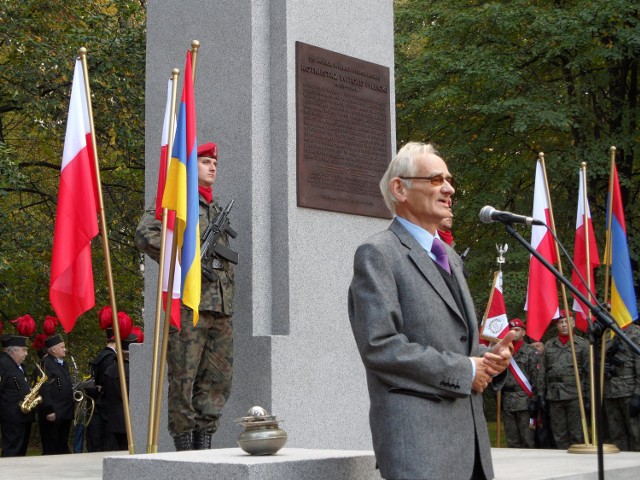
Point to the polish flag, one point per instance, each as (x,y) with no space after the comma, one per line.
(583,225)
(496,324)
(542,292)
(162,179)
(71,290)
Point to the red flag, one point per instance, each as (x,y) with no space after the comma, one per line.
(583,225)
(162,179)
(496,324)
(71,288)
(542,291)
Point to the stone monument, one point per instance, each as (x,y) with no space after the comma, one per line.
(295,353)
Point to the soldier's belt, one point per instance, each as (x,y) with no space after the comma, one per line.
(562,379)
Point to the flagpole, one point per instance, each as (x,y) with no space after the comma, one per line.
(195,45)
(165,343)
(608,246)
(607,266)
(583,417)
(155,392)
(107,258)
(592,360)
(607,260)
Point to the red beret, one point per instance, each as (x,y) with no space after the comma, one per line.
(562,314)
(208,150)
(516,322)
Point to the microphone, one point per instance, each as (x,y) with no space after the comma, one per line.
(489,214)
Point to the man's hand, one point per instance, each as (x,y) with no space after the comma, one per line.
(497,360)
(482,379)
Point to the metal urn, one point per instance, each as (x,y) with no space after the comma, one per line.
(261,435)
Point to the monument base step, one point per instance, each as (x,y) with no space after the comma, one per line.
(235,464)
(308,464)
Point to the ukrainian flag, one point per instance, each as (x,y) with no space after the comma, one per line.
(624,308)
(181,194)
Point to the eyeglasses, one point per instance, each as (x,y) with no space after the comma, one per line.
(435,180)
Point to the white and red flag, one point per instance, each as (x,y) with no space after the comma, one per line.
(496,324)
(171,216)
(71,290)
(542,291)
(584,249)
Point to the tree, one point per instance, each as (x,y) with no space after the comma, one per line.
(39,41)
(495,83)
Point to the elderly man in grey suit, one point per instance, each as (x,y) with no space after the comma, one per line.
(415,326)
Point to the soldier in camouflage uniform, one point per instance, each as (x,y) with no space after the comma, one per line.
(199,358)
(622,391)
(557,384)
(515,400)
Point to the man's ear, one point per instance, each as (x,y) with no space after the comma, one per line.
(398,189)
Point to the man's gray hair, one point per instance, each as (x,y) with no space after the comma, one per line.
(403,165)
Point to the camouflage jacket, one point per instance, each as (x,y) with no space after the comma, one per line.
(216,295)
(556,378)
(624,377)
(514,398)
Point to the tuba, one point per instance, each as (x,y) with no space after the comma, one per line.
(32,399)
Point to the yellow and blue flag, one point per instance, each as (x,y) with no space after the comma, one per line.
(181,194)
(624,308)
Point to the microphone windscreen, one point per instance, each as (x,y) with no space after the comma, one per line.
(485,214)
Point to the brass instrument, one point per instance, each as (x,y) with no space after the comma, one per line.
(78,395)
(32,399)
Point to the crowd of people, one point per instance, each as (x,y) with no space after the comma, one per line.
(415,327)
(49,395)
(540,402)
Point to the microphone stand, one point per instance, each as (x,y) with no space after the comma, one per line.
(603,320)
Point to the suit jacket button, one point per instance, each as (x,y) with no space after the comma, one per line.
(463,338)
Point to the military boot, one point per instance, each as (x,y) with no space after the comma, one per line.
(183,442)
(201,440)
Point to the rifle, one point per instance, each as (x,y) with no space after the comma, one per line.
(209,243)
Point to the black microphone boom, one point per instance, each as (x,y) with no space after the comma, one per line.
(489,214)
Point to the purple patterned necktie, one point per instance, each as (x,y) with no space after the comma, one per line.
(441,254)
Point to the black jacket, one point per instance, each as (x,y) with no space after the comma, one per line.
(14,386)
(57,392)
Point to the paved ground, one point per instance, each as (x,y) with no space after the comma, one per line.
(508,464)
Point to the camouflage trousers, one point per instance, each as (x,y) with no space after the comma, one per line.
(624,431)
(517,430)
(566,425)
(200,369)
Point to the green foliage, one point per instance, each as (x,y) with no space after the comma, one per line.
(493,84)
(39,41)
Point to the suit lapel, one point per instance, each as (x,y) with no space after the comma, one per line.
(425,265)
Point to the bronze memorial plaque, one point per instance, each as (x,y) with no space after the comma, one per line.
(343,132)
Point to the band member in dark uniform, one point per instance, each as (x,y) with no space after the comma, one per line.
(56,413)
(14,387)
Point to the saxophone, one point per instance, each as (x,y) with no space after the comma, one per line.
(32,399)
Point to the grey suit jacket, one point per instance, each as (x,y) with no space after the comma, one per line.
(415,345)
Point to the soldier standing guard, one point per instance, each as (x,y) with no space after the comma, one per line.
(557,383)
(14,386)
(56,412)
(622,391)
(517,391)
(200,357)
